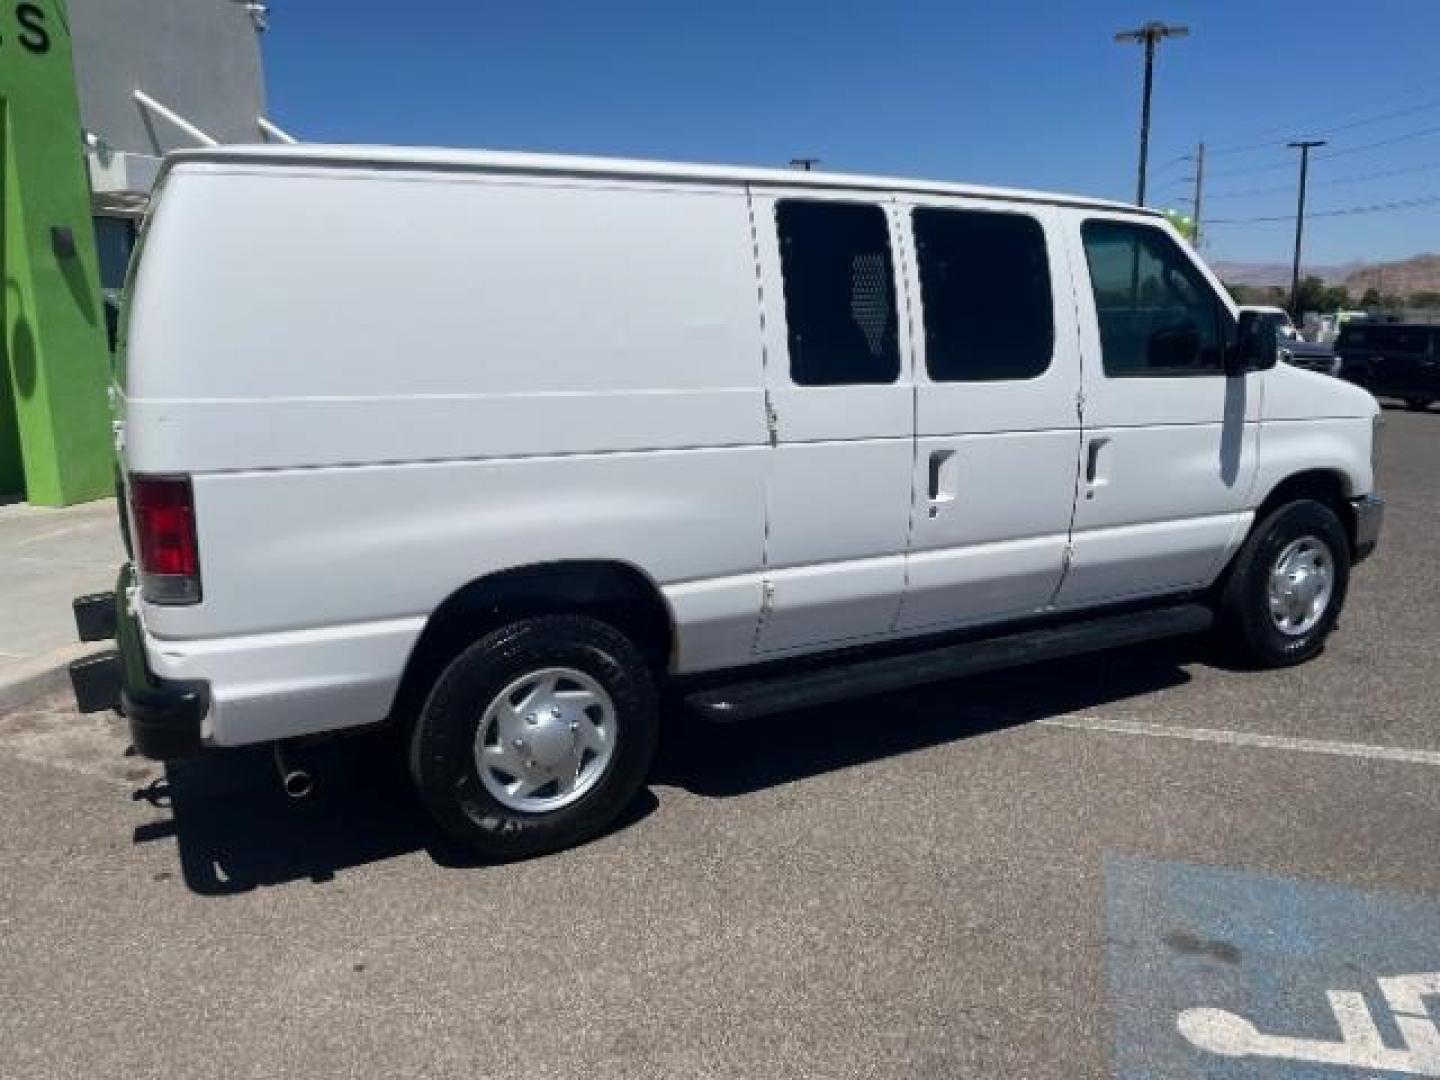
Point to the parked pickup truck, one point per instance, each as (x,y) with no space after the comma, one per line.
(1393,359)
(499,449)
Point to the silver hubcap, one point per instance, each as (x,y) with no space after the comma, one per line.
(1301,584)
(545,740)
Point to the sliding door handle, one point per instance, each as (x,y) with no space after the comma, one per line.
(943,478)
(1097,465)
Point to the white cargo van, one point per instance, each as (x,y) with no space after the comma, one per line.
(499,447)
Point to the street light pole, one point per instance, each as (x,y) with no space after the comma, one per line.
(1148,35)
(1304,146)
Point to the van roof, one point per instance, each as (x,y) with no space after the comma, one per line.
(495,161)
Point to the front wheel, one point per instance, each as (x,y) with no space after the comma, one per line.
(1287,586)
(536,737)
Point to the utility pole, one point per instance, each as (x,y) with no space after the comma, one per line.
(1199,193)
(1304,146)
(1148,35)
(805,164)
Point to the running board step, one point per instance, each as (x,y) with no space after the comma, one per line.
(806,689)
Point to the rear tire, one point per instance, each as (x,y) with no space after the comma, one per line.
(1286,586)
(536,737)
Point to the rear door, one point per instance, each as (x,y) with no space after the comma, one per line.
(1170,441)
(840,394)
(997,375)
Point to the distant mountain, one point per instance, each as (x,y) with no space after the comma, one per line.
(1403,278)
(1238,273)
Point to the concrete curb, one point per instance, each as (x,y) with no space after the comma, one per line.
(25,681)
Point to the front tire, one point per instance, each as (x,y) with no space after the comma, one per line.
(536,737)
(1287,586)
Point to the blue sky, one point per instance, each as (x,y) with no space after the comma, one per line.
(1031,94)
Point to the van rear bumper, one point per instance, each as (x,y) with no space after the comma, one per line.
(165,716)
(182,695)
(288,684)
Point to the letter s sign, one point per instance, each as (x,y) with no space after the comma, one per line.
(33,34)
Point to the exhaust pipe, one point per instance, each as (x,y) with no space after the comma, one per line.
(296,782)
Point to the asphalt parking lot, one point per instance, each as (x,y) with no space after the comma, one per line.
(1105,867)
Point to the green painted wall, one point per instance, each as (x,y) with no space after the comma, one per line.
(53,356)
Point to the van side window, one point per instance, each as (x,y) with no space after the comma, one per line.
(985,286)
(839,293)
(1158,316)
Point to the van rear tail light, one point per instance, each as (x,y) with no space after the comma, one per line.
(164,510)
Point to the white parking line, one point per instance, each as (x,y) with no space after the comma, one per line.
(1246,738)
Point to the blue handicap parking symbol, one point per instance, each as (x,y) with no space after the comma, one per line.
(1220,974)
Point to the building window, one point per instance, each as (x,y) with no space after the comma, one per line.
(114,240)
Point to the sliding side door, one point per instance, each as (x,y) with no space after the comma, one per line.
(997,383)
(841,411)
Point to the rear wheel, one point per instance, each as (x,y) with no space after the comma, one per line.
(536,737)
(1287,586)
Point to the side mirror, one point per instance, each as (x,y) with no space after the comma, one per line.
(1256,348)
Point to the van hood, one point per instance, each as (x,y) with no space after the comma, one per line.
(1292,393)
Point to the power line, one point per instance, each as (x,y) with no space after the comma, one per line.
(1373,208)
(1342,152)
(1384,174)
(1274,144)
(1424,85)
(1227,148)
(1254,170)
(1382,142)
(1168,165)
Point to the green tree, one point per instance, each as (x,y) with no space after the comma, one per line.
(1315,295)
(1426,298)
(1371,299)
(1309,296)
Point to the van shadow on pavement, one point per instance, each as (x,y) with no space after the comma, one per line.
(237,831)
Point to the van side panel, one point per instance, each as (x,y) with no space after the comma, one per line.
(355,559)
(288,319)
(388,385)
